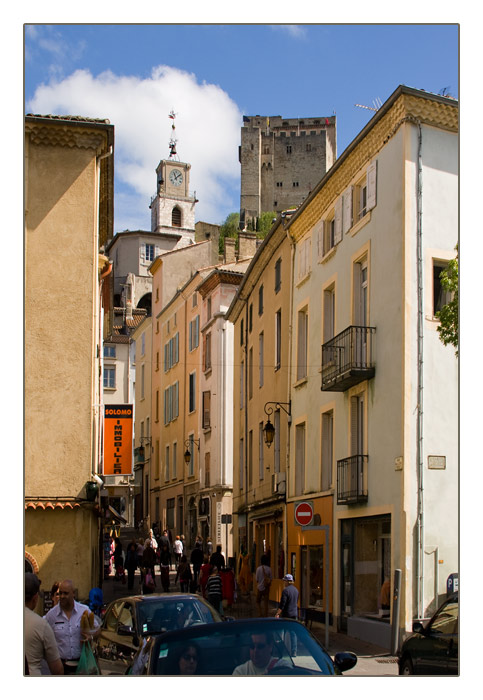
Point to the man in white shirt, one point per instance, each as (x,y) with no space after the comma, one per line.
(65,619)
(261,660)
(39,639)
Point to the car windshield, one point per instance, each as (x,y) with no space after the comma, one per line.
(156,615)
(248,647)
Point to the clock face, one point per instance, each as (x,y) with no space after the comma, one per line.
(176,177)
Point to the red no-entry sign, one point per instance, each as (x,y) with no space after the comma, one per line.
(304,513)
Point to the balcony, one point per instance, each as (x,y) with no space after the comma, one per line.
(352,480)
(348,358)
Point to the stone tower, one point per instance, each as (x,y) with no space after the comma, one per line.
(282,160)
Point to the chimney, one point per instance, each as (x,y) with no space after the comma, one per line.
(230,250)
(247,244)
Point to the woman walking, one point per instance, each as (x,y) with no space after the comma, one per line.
(184,574)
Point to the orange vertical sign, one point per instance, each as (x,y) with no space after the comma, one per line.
(118,439)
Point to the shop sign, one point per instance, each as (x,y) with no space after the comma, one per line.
(118,426)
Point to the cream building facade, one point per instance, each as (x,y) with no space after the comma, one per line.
(379,444)
(68,207)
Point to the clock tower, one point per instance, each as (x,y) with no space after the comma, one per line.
(173,207)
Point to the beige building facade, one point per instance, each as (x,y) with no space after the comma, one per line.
(68,207)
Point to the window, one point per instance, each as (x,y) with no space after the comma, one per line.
(241,461)
(208,308)
(109,377)
(289,149)
(250,318)
(295,184)
(260,300)
(149,252)
(361,282)
(261,467)
(242,384)
(260,360)
(166,466)
(327,456)
(278,275)
(157,361)
(331,233)
(304,258)
(176,217)
(109,351)
(308,146)
(194,333)
(279,184)
(194,300)
(207,469)
(299,459)
(171,352)
(250,458)
(329,314)
(156,407)
(143,344)
(192,392)
(206,409)
(278,339)
(171,403)
(207,352)
(170,508)
(266,150)
(277,441)
(191,464)
(142,381)
(357,425)
(440,296)
(156,460)
(302,343)
(174,460)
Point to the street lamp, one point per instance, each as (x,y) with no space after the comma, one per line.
(187,444)
(143,441)
(269,428)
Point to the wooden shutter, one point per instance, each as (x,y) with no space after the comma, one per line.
(347,210)
(371,185)
(338,221)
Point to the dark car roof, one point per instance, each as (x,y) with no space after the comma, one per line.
(152,596)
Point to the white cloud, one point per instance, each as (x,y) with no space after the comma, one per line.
(207,129)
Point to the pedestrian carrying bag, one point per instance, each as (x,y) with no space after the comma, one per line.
(149,581)
(87,665)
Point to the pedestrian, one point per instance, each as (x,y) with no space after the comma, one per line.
(217,559)
(151,539)
(131,563)
(228,586)
(65,620)
(165,565)
(148,563)
(288,606)
(263,576)
(209,547)
(244,573)
(178,549)
(204,574)
(39,639)
(184,574)
(54,593)
(196,560)
(214,589)
(119,561)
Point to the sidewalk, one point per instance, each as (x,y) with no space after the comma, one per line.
(371,659)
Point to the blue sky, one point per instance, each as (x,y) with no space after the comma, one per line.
(211,75)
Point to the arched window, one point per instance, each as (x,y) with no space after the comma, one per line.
(176,217)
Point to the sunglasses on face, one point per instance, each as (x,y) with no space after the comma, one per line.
(258,646)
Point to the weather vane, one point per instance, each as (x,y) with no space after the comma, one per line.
(173,141)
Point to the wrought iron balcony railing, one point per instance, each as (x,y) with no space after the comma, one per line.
(352,480)
(348,358)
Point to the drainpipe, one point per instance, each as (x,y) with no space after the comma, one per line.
(420,465)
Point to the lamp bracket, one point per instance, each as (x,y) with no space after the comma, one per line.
(278,404)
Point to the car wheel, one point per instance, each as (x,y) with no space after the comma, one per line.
(406,667)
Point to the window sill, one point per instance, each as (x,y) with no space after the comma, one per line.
(360,224)
(303,279)
(329,255)
(300,382)
(110,388)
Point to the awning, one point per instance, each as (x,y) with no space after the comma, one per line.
(117,515)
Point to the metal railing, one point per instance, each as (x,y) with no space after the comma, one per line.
(352,480)
(348,358)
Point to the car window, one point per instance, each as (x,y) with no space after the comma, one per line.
(126,616)
(446,621)
(287,650)
(112,616)
(158,615)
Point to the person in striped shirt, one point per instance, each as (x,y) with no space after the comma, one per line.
(214,589)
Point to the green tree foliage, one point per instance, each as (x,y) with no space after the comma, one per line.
(448,316)
(264,222)
(229,229)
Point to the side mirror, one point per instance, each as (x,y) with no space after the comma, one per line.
(125,630)
(418,627)
(345,660)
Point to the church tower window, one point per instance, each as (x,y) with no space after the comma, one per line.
(176,217)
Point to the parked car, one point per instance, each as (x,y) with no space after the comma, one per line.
(266,646)
(129,622)
(432,649)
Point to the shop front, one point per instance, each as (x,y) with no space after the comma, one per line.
(365,570)
(309,530)
(266,533)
